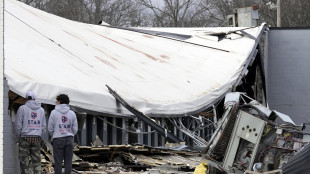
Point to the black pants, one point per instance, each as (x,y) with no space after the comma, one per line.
(63,149)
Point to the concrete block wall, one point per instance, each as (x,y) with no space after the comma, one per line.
(10,148)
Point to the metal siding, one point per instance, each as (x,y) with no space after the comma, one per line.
(288,73)
(298,164)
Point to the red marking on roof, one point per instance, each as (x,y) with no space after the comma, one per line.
(139,76)
(148,36)
(127,39)
(164,56)
(105,53)
(105,62)
(129,47)
(72,35)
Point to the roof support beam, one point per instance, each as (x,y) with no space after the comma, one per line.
(164,132)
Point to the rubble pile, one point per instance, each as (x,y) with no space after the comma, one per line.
(126,159)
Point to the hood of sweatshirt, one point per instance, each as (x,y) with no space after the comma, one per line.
(33,104)
(62,108)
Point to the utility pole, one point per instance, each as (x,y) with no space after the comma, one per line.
(278,13)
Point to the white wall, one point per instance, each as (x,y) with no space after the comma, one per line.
(1,85)
(9,163)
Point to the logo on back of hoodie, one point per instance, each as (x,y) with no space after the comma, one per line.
(33,123)
(34,115)
(64,119)
(64,127)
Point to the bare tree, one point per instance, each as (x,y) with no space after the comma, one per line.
(267,13)
(220,9)
(172,13)
(40,4)
(70,9)
(115,12)
(298,16)
(176,13)
(122,13)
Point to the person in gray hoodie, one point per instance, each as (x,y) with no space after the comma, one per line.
(62,126)
(30,126)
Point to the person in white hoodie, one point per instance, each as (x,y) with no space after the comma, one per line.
(30,127)
(62,126)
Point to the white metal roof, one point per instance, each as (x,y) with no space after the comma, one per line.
(155,74)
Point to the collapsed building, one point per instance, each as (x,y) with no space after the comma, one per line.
(151,98)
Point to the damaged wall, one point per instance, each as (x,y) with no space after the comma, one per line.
(288,72)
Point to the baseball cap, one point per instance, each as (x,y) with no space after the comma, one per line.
(30,94)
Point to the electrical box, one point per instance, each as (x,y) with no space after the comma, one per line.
(247,128)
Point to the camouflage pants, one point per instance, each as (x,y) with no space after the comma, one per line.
(30,152)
